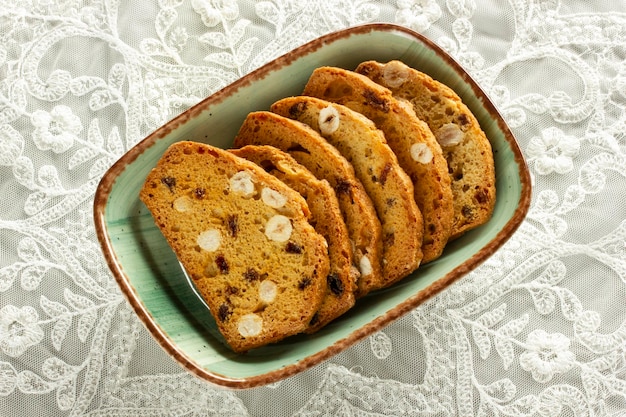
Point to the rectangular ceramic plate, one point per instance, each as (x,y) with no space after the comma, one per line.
(151,278)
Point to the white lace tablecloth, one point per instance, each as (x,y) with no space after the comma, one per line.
(537,330)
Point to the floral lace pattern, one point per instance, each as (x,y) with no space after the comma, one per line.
(535,331)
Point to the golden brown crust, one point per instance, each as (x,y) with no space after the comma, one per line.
(325,162)
(418,152)
(327,220)
(243,237)
(375,164)
(464,144)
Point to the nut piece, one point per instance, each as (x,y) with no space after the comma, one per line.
(449,135)
(182,204)
(273,198)
(406,105)
(395,74)
(365,266)
(250,325)
(278,228)
(267,291)
(420,152)
(209,240)
(242,183)
(328,120)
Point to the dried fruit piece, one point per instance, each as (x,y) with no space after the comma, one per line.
(296,109)
(233,224)
(384,173)
(224,312)
(278,228)
(199,193)
(293,247)
(209,240)
(304,282)
(170,182)
(251,275)
(250,325)
(221,263)
(376,101)
(343,187)
(335,284)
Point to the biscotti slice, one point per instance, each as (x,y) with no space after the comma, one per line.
(417,150)
(375,164)
(464,144)
(327,220)
(243,237)
(325,162)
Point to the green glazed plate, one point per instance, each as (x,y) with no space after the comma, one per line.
(153,281)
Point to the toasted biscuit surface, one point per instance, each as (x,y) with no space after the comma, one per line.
(327,220)
(464,144)
(236,245)
(325,162)
(418,152)
(375,164)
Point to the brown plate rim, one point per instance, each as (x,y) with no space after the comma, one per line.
(105,187)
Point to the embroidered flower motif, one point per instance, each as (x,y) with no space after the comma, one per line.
(212,12)
(418,14)
(553,151)
(547,355)
(156,107)
(93,16)
(619,84)
(11,145)
(55,130)
(18,329)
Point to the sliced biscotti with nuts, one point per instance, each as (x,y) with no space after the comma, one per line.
(243,237)
(325,162)
(327,220)
(464,144)
(375,164)
(410,138)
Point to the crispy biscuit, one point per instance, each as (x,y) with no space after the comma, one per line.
(236,243)
(327,220)
(325,162)
(464,144)
(375,164)
(417,150)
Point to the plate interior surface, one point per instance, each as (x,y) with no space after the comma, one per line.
(152,279)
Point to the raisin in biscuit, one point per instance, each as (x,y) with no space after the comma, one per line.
(243,237)
(327,220)
(417,150)
(464,144)
(375,164)
(325,162)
